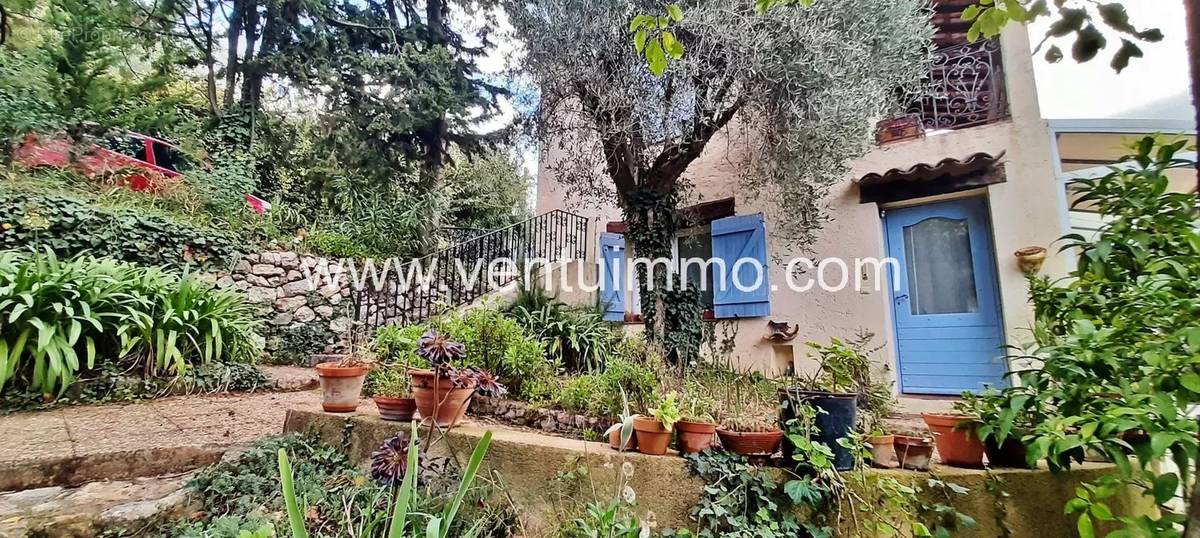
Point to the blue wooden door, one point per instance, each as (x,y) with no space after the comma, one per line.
(945,300)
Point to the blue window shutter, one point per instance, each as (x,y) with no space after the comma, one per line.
(735,238)
(612,276)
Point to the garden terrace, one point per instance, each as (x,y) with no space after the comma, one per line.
(531,466)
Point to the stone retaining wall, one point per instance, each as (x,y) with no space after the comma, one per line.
(531,466)
(296,315)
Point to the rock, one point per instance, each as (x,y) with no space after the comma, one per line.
(305,314)
(290,304)
(259,295)
(243,285)
(270,258)
(298,287)
(283,318)
(264,269)
(340,325)
(293,275)
(289,260)
(225,282)
(324,311)
(251,258)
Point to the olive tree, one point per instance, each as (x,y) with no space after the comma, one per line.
(796,91)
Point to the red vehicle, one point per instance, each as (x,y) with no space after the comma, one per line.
(152,161)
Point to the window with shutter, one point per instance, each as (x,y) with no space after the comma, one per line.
(741,289)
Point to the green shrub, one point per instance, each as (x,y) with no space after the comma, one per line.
(498,344)
(395,344)
(577,338)
(600,393)
(62,316)
(582,394)
(71,226)
(337,244)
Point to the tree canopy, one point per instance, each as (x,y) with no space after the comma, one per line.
(801,86)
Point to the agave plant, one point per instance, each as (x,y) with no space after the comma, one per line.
(435,526)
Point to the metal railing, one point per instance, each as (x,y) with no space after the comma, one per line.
(555,236)
(965,88)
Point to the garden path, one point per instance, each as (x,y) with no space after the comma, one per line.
(71,446)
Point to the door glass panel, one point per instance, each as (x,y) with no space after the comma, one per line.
(941,273)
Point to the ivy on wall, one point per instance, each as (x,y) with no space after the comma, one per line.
(653,220)
(70,226)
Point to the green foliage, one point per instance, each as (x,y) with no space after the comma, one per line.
(602,393)
(62,315)
(989,17)
(69,226)
(336,245)
(493,342)
(295,344)
(612,519)
(25,105)
(388,380)
(438,526)
(579,339)
(666,411)
(489,191)
(654,39)
(1118,344)
(740,500)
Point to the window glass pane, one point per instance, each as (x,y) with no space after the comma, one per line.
(941,274)
(697,245)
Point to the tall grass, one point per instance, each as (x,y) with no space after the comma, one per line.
(58,317)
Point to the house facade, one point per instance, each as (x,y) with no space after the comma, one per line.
(950,206)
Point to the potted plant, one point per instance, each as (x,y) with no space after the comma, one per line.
(342,381)
(1003,420)
(957,438)
(697,429)
(872,420)
(750,437)
(443,391)
(654,432)
(391,388)
(913,451)
(832,390)
(624,428)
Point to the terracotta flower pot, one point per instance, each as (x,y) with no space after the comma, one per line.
(1010,453)
(653,437)
(1030,259)
(957,442)
(883,450)
(614,440)
(340,386)
(438,395)
(750,443)
(695,436)
(913,453)
(398,409)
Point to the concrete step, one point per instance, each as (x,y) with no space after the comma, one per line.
(92,509)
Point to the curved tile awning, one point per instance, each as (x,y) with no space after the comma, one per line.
(923,179)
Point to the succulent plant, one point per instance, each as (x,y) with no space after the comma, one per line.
(439,349)
(749,425)
(388,463)
(486,384)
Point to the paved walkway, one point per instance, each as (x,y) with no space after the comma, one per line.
(75,445)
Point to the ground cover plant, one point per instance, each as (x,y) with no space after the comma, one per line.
(334,496)
(66,317)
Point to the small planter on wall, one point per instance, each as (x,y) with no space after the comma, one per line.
(898,128)
(1030,259)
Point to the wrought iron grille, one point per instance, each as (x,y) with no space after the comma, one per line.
(965,88)
(395,298)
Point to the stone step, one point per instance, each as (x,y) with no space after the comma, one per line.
(94,508)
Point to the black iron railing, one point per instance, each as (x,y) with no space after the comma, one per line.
(398,296)
(965,88)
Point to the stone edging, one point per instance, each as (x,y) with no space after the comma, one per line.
(547,420)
